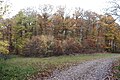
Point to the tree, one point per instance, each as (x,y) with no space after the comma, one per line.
(4,8)
(110,28)
(59,33)
(58,22)
(30,22)
(78,17)
(114,9)
(89,30)
(62,23)
(3,43)
(3,46)
(7,33)
(19,31)
(44,18)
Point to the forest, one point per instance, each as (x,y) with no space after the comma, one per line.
(56,31)
(58,43)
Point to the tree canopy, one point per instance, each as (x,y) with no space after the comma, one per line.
(51,32)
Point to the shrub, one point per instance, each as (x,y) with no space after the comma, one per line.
(72,46)
(58,48)
(48,46)
(38,46)
(67,46)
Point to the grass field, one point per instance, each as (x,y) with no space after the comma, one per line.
(20,68)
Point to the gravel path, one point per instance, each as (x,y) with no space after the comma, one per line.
(90,70)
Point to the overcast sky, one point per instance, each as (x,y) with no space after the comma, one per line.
(93,5)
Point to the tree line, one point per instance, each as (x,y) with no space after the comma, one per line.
(53,33)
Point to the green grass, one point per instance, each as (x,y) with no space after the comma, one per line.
(20,68)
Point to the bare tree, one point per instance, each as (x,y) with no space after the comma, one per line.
(114,9)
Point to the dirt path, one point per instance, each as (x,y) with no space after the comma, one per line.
(90,70)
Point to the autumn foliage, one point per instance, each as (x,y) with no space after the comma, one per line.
(32,33)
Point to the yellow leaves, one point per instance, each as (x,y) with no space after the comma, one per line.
(103,24)
(110,27)
(4,43)
(4,50)
(3,47)
(109,36)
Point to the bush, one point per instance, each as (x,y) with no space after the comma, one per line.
(66,47)
(46,46)
(43,46)
(58,48)
(72,46)
(38,46)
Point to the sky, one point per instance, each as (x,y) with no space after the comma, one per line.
(93,5)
